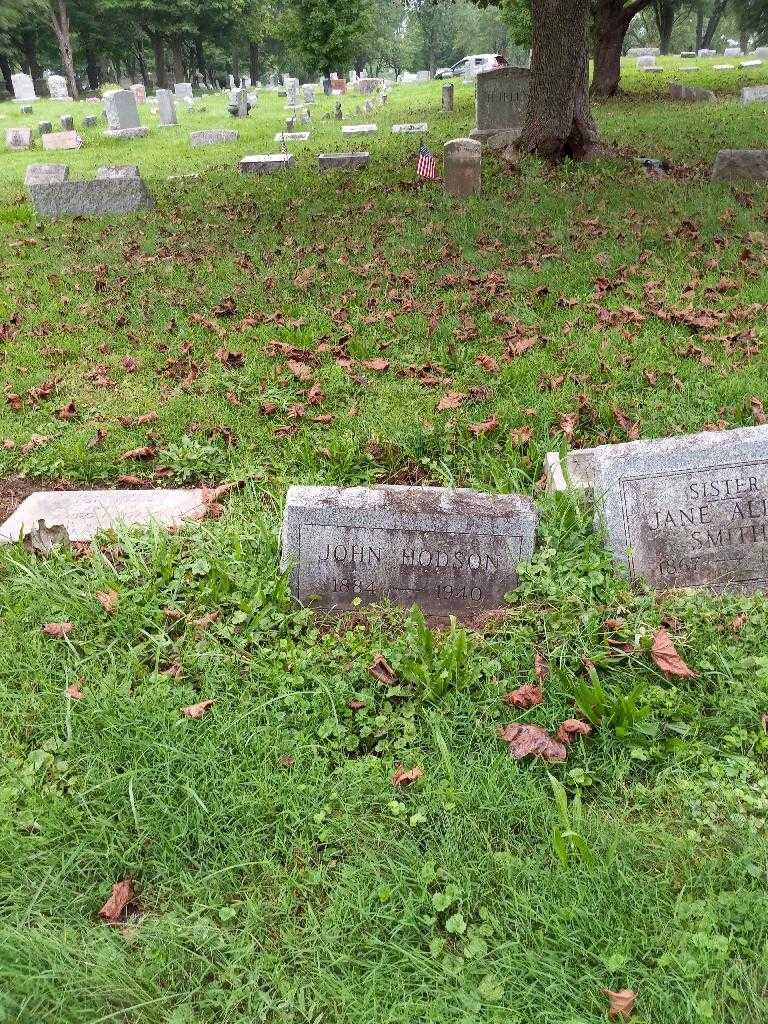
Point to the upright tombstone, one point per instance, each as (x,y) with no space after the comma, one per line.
(67,123)
(687,511)
(44,127)
(122,114)
(646,61)
(448,551)
(166,108)
(707,53)
(732,51)
(18,138)
(501,99)
(461,167)
(292,92)
(308,92)
(57,87)
(762,51)
(23,88)
(184,90)
(139,92)
(242,102)
(448,97)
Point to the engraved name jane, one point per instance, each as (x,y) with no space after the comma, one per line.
(701,519)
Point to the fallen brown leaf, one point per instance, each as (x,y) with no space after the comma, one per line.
(381,669)
(404,778)
(107,599)
(739,622)
(74,692)
(666,658)
(572,727)
(197,710)
(113,911)
(532,741)
(57,630)
(452,400)
(621,1004)
(540,669)
(139,454)
(485,427)
(527,696)
(758,410)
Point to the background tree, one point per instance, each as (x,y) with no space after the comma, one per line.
(330,32)
(612,19)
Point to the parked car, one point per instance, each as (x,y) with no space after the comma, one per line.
(475,64)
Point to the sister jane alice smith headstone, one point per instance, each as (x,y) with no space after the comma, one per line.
(449,551)
(687,511)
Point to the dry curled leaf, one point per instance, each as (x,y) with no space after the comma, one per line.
(146,452)
(572,727)
(666,658)
(621,1004)
(531,741)
(739,622)
(107,599)
(404,778)
(758,410)
(74,692)
(381,669)
(57,630)
(568,421)
(197,710)
(113,911)
(377,364)
(540,669)
(485,427)
(451,401)
(527,696)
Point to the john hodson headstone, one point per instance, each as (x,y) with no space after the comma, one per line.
(449,551)
(687,511)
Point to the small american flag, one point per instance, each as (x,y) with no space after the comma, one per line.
(283,143)
(426,165)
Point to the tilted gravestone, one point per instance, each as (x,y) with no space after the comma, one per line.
(449,551)
(166,108)
(448,97)
(461,167)
(42,174)
(342,161)
(265,163)
(741,165)
(501,100)
(18,138)
(23,88)
(688,511)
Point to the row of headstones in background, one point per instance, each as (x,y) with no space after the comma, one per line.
(677,512)
(116,189)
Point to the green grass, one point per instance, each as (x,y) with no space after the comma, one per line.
(312,890)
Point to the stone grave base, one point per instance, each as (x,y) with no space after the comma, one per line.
(126,133)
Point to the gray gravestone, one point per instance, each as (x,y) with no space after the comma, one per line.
(45,174)
(266,163)
(342,161)
(501,100)
(461,167)
(449,551)
(242,102)
(166,108)
(448,97)
(121,110)
(18,138)
(57,87)
(139,92)
(117,171)
(741,164)
(690,93)
(308,92)
(83,514)
(62,140)
(732,51)
(213,136)
(687,511)
(292,137)
(754,94)
(645,61)
(405,129)
(358,129)
(90,121)
(90,198)
(707,53)
(292,92)
(67,123)
(44,127)
(23,88)
(184,90)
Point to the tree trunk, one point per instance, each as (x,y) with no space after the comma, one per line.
(712,25)
(253,62)
(558,122)
(200,59)
(158,45)
(665,22)
(236,66)
(29,49)
(610,29)
(92,67)
(744,41)
(177,55)
(5,68)
(60,23)
(699,27)
(142,64)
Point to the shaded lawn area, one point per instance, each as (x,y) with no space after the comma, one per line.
(279,875)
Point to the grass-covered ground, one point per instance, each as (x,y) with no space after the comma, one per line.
(279,876)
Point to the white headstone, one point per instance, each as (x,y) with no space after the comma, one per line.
(57,87)
(23,88)
(121,110)
(184,90)
(166,108)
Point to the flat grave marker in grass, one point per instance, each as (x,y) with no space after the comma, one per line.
(83,514)
(62,140)
(451,551)
(404,129)
(688,511)
(265,163)
(358,129)
(213,136)
(342,161)
(41,174)
(741,165)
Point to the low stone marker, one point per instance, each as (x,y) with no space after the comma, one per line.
(213,136)
(449,551)
(690,93)
(754,94)
(67,123)
(57,87)
(266,163)
(646,61)
(687,511)
(461,167)
(750,63)
(94,198)
(403,129)
(184,90)
(292,137)
(761,51)
(358,129)
(62,140)
(707,53)
(166,108)
(83,514)
(18,138)
(688,54)
(732,51)
(501,99)
(45,174)
(448,97)
(44,127)
(342,161)
(741,164)
(90,121)
(723,67)
(368,85)
(117,171)
(308,92)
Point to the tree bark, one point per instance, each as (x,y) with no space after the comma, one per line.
(142,64)
(254,61)
(5,69)
(60,23)
(612,21)
(712,25)
(200,59)
(699,27)
(236,66)
(177,55)
(558,122)
(158,45)
(29,49)
(664,11)
(92,67)
(744,40)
